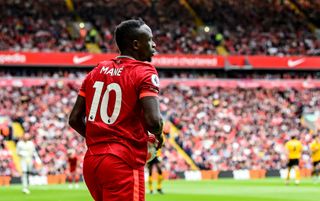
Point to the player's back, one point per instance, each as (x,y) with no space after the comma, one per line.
(294,148)
(113,111)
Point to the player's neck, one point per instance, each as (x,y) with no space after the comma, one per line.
(130,54)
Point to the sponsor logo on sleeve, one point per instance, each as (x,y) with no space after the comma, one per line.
(155,80)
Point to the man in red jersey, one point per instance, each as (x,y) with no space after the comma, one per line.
(72,174)
(116,107)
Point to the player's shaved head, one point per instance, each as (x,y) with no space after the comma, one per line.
(126,32)
(134,38)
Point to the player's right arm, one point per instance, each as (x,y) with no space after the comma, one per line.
(148,86)
(36,155)
(152,116)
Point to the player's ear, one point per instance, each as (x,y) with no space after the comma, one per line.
(136,44)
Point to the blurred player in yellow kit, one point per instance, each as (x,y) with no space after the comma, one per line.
(294,150)
(315,156)
(157,163)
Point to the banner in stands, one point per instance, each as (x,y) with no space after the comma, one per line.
(267,62)
(186,61)
(84,59)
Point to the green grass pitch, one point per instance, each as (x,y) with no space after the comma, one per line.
(220,190)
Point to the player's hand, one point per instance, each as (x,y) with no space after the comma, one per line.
(157,140)
(160,141)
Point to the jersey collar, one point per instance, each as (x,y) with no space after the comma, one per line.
(125,56)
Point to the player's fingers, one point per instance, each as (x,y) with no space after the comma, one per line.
(159,145)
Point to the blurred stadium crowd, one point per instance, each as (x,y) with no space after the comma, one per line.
(236,27)
(167,73)
(242,128)
(221,129)
(42,111)
(6,166)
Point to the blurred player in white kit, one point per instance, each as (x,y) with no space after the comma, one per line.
(27,152)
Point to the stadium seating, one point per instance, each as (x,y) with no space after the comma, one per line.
(45,109)
(228,129)
(48,26)
(248,29)
(220,128)
(7,167)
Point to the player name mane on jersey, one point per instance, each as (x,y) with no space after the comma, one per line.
(111,71)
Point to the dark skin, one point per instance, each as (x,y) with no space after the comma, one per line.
(142,49)
(78,115)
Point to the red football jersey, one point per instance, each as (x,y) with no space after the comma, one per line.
(114,116)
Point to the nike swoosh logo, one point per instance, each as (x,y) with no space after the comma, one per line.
(293,63)
(79,60)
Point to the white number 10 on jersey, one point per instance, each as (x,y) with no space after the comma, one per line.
(104,103)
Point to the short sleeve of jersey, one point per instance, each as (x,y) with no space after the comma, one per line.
(148,81)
